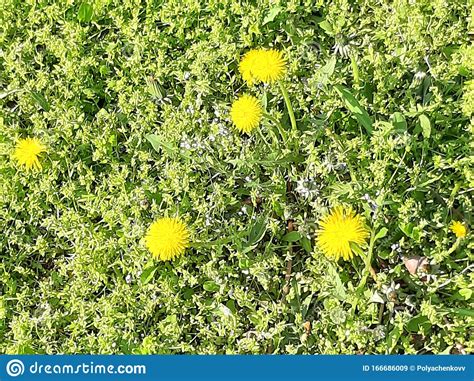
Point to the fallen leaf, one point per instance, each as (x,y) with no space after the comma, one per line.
(415,263)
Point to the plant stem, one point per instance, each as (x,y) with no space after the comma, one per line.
(368,261)
(355,70)
(279,127)
(262,137)
(288,105)
(289,265)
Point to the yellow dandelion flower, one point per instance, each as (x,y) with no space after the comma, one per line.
(246,113)
(247,64)
(459,229)
(167,238)
(263,65)
(337,230)
(27,152)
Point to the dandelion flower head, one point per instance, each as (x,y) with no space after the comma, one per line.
(459,229)
(262,65)
(246,113)
(27,153)
(337,230)
(167,238)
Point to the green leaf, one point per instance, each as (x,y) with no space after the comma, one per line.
(306,244)
(154,88)
(355,108)
(324,73)
(211,286)
(458,311)
(339,291)
(419,323)
(425,126)
(466,293)
(248,249)
(278,208)
(356,248)
(392,339)
(407,229)
(159,145)
(329,67)
(264,100)
(40,100)
(292,237)
(399,122)
(85,12)
(327,27)
(257,231)
(381,233)
(147,274)
(272,13)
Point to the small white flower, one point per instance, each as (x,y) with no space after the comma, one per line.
(223,131)
(419,76)
(379,332)
(396,247)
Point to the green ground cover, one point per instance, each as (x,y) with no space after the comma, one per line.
(382,93)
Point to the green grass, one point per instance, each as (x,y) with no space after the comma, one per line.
(383,105)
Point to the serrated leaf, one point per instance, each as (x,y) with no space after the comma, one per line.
(292,237)
(355,108)
(425,126)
